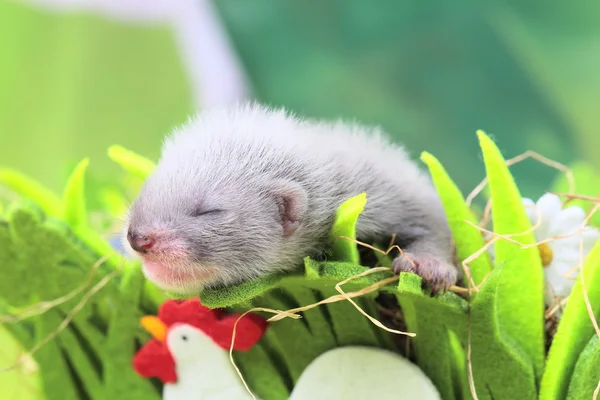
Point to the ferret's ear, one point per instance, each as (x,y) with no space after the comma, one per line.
(291,200)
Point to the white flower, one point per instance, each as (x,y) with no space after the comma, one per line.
(561,257)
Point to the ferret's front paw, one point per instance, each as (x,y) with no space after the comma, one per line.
(437,274)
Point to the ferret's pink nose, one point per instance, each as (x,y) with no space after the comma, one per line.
(140,243)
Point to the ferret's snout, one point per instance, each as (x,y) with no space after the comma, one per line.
(139,243)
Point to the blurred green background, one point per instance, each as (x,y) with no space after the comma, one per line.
(77,76)
(73,82)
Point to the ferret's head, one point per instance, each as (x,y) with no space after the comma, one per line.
(213,212)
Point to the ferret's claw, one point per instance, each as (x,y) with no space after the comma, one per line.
(437,274)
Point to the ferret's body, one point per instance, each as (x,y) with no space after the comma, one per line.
(246,191)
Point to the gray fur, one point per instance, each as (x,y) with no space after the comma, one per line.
(279,180)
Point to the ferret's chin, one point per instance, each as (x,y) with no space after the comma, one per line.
(175,280)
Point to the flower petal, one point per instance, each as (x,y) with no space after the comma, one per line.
(567,244)
(559,284)
(567,221)
(530,209)
(565,261)
(549,203)
(590,237)
(548,206)
(573,243)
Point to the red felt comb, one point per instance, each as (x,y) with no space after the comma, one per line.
(215,323)
(155,360)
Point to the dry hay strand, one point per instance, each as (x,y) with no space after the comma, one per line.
(522,157)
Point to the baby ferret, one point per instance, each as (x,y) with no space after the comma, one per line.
(244,191)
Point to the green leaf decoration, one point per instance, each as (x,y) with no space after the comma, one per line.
(586,376)
(75,212)
(26,380)
(293,344)
(522,267)
(468,239)
(91,357)
(29,188)
(131,162)
(74,209)
(574,330)
(345,225)
(434,321)
(501,369)
(460,377)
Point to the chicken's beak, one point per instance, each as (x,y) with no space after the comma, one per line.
(155,326)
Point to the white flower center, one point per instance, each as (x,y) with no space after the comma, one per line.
(545,254)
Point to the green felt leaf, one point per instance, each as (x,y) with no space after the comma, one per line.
(266,376)
(574,330)
(91,357)
(74,209)
(120,379)
(18,380)
(586,377)
(523,279)
(133,163)
(501,369)
(587,183)
(432,320)
(236,294)
(468,239)
(292,344)
(345,225)
(29,188)
(58,381)
(71,210)
(460,378)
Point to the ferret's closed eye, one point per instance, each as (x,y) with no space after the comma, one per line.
(202,212)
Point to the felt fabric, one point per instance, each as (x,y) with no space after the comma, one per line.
(298,342)
(574,330)
(468,239)
(155,360)
(207,370)
(215,323)
(432,320)
(586,374)
(459,367)
(345,225)
(85,359)
(520,311)
(74,209)
(24,380)
(501,370)
(341,373)
(92,357)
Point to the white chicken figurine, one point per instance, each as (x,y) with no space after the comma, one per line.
(189,354)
